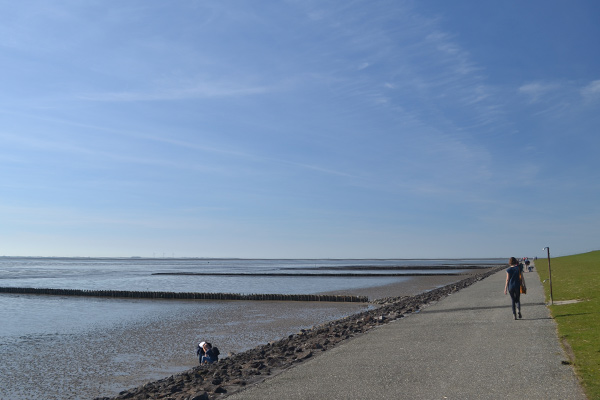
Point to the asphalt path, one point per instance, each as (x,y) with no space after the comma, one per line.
(466,346)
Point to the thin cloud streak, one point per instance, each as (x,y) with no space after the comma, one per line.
(591,91)
(203,91)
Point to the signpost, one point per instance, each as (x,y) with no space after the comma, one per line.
(549,274)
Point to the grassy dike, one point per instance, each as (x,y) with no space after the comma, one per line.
(577,277)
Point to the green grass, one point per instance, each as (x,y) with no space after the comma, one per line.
(578,278)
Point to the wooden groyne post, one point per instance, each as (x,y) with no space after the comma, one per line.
(186,295)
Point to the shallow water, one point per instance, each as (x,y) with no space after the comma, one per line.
(139,274)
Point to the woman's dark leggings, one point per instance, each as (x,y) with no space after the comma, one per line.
(515,296)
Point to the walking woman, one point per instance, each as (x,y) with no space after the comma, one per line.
(513,285)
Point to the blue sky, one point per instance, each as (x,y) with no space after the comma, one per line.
(299,129)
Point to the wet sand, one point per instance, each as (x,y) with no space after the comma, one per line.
(102,362)
(409,287)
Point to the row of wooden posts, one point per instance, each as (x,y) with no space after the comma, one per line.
(185,295)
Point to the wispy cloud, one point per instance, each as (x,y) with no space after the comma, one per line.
(591,91)
(54,145)
(535,91)
(195,91)
(66,145)
(452,54)
(432,71)
(71,217)
(556,98)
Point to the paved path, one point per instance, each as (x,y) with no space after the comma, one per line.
(467,346)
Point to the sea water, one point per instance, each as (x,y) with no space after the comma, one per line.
(147,274)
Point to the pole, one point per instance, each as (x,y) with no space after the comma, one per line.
(550,275)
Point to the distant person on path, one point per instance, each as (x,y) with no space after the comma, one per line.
(513,285)
(206,353)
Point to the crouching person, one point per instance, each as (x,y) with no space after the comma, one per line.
(207,354)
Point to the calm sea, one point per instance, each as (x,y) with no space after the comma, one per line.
(56,347)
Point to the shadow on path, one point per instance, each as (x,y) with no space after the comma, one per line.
(507,306)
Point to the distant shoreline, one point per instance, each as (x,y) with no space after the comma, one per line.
(458,267)
(493,260)
(278,274)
